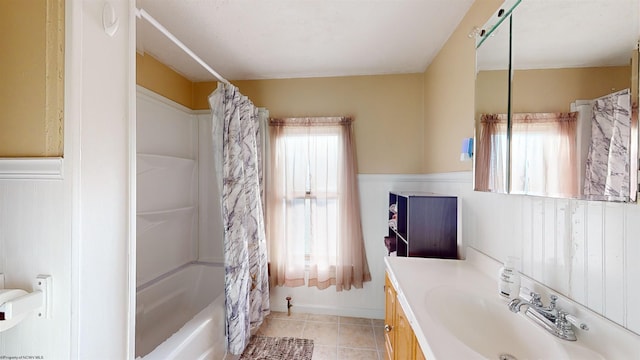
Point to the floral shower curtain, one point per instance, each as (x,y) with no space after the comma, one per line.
(607,169)
(237,136)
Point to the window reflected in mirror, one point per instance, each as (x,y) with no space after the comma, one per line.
(571,130)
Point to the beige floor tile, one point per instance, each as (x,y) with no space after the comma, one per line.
(378,334)
(323,318)
(282,328)
(356,336)
(283,315)
(321,333)
(334,337)
(321,352)
(356,354)
(354,320)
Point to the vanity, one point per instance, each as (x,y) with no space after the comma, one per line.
(450,309)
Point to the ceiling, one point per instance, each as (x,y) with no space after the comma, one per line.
(271,39)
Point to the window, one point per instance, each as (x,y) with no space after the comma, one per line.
(543,154)
(313,217)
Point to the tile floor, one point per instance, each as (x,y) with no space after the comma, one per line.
(334,337)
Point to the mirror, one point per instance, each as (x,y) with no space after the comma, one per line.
(493,79)
(492,101)
(571,132)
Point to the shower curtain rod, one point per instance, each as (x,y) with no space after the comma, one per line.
(142,14)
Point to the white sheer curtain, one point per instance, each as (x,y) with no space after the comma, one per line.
(491,159)
(313,213)
(544,154)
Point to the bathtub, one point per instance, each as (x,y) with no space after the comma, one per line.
(181,315)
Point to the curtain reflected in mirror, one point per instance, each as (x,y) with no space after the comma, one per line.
(491,108)
(561,110)
(491,153)
(608,162)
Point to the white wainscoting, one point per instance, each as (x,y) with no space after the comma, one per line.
(586,250)
(31,168)
(368,301)
(35,239)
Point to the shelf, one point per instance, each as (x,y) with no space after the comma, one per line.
(147,155)
(164,212)
(401,236)
(426,224)
(165,182)
(148,220)
(151,162)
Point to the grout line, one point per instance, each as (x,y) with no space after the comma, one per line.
(338,338)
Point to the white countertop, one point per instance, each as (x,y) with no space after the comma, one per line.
(415,278)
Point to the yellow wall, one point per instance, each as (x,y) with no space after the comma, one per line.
(31,73)
(547,90)
(449,84)
(492,92)
(551,90)
(159,78)
(201,92)
(387,110)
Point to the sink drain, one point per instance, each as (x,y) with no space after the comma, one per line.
(507,357)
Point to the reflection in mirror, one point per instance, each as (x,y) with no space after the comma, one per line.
(571,133)
(491,108)
(570,98)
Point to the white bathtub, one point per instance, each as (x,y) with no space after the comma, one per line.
(182,315)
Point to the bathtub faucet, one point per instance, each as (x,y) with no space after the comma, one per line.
(289,305)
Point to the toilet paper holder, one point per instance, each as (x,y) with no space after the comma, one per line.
(22,303)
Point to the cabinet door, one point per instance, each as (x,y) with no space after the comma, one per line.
(403,345)
(419,353)
(389,317)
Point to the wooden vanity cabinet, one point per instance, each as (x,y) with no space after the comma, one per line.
(404,336)
(419,353)
(389,317)
(399,338)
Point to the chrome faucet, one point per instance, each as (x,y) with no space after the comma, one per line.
(551,318)
(550,311)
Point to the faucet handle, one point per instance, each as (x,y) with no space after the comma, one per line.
(577,322)
(565,320)
(535,299)
(554,298)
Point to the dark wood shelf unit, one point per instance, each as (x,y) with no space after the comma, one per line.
(427,224)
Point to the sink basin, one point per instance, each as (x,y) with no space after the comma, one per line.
(487,327)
